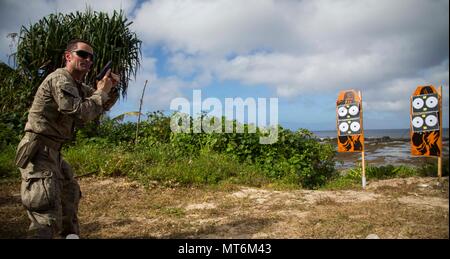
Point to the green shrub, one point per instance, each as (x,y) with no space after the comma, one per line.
(296,158)
(7,167)
(351,178)
(11,128)
(160,163)
(381,172)
(430,167)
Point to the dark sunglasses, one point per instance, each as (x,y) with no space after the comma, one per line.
(84,54)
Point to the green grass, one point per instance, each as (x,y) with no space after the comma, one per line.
(342,183)
(351,178)
(7,167)
(430,167)
(160,163)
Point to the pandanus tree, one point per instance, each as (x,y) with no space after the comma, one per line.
(41,47)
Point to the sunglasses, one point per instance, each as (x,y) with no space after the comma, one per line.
(84,54)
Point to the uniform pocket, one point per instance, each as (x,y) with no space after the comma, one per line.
(25,152)
(39,191)
(67,97)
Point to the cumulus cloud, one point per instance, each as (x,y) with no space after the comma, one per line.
(211,26)
(14,14)
(159,91)
(297,47)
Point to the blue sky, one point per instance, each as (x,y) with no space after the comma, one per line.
(302,52)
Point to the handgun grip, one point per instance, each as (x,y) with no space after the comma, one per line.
(104,70)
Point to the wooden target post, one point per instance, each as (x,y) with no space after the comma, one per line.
(349,124)
(426,123)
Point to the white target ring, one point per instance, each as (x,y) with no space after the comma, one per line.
(431,102)
(342,111)
(355,126)
(417,103)
(431,120)
(343,127)
(354,110)
(417,122)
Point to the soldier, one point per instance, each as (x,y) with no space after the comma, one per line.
(49,191)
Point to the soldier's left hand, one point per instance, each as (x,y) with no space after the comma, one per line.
(115,79)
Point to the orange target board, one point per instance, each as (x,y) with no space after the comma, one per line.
(349,121)
(426,122)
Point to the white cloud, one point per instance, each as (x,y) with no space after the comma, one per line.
(385,48)
(394,95)
(14,14)
(299,47)
(211,26)
(159,91)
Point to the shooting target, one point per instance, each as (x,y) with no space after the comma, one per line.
(343,127)
(349,122)
(426,139)
(355,126)
(418,103)
(417,122)
(431,120)
(431,102)
(354,110)
(342,111)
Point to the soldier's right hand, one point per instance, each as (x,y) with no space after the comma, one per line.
(106,83)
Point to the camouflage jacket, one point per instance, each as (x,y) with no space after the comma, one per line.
(60,103)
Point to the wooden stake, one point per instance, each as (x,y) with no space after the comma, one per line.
(139,114)
(362,153)
(441,132)
(363,170)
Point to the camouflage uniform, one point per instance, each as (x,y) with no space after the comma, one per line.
(49,191)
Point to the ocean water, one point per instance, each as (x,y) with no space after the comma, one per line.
(376,133)
(395,152)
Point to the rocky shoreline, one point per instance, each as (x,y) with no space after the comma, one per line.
(375,139)
(380,151)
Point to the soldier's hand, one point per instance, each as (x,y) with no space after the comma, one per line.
(106,83)
(115,78)
(113,97)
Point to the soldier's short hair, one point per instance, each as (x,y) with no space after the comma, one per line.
(72,44)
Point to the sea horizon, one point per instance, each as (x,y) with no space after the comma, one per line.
(375,133)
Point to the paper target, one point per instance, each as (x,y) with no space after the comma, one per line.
(431,120)
(342,111)
(355,126)
(426,121)
(349,124)
(343,126)
(354,110)
(431,102)
(417,103)
(417,122)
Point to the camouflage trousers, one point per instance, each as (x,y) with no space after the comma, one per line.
(50,194)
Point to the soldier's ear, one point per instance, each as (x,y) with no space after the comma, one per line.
(67,55)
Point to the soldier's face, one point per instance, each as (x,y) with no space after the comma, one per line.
(81,58)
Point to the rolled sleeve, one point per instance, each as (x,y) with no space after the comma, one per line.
(69,101)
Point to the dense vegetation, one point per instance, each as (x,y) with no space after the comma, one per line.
(168,158)
(296,157)
(109,149)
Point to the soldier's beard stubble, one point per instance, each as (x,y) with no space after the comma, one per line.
(82,66)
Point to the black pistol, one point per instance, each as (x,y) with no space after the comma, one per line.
(104,70)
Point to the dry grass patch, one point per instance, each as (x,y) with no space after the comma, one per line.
(121,208)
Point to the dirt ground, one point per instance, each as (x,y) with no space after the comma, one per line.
(120,208)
